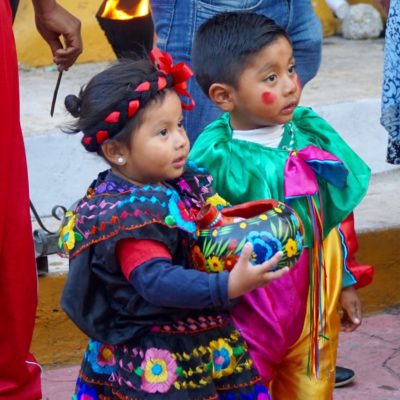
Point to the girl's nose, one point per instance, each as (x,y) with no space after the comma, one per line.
(181,138)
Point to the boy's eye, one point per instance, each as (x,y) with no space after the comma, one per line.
(163,132)
(292,69)
(270,78)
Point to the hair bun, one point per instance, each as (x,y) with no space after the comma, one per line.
(73,105)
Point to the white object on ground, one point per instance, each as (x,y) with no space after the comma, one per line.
(362,22)
(339,7)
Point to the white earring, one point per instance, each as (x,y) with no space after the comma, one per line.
(120,160)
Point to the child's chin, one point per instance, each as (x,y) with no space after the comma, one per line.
(284,119)
(176,174)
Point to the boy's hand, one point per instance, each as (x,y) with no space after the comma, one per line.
(351,305)
(246,277)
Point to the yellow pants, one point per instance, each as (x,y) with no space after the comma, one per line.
(290,381)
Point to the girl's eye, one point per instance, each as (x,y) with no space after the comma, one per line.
(164,132)
(292,69)
(180,124)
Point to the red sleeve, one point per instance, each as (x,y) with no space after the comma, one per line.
(363,273)
(132,253)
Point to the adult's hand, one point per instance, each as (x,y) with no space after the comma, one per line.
(54,21)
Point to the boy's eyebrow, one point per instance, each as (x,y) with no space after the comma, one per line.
(269,65)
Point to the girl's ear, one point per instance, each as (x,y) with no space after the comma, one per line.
(221,94)
(116,153)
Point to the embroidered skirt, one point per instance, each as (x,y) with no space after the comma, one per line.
(203,358)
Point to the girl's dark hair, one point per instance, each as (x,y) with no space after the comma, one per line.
(104,92)
(224,45)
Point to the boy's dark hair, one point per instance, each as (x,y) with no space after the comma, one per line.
(224,45)
(104,92)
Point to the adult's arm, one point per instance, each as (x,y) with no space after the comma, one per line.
(53,22)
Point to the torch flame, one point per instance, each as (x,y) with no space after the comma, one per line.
(114,9)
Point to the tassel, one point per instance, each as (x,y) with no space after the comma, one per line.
(318,289)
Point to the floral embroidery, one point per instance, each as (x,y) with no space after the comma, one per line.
(390,116)
(295,221)
(85,392)
(159,371)
(229,261)
(274,230)
(291,247)
(222,357)
(106,356)
(180,214)
(214,264)
(67,236)
(217,201)
(101,357)
(199,262)
(299,241)
(265,245)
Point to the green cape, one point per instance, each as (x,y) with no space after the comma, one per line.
(245,171)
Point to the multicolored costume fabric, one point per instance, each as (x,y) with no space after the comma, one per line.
(139,350)
(20,374)
(275,321)
(390,117)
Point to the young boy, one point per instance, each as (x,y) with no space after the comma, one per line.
(265,146)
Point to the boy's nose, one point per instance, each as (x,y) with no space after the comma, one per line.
(290,84)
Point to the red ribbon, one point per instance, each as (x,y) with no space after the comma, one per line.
(181,72)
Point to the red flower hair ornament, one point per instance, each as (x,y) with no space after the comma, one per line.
(167,75)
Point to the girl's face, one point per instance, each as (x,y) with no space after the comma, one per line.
(159,146)
(268,88)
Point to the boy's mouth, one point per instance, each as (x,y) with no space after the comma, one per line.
(289,108)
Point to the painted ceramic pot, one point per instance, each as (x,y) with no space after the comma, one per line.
(270,226)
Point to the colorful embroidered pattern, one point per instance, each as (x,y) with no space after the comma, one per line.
(214,360)
(68,237)
(278,229)
(158,371)
(110,207)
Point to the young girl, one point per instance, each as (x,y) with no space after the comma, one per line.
(157,328)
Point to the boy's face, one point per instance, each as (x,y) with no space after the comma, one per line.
(268,88)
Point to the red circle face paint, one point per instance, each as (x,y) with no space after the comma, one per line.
(268,98)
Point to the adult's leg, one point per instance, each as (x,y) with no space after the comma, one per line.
(175,22)
(305,31)
(19,375)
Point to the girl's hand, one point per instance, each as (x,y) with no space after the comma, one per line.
(246,277)
(351,305)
